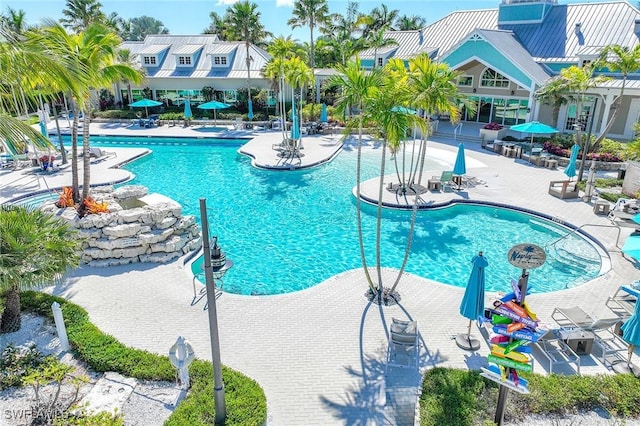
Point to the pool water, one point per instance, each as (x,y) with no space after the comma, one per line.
(288,231)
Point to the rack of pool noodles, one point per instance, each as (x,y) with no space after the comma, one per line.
(514,328)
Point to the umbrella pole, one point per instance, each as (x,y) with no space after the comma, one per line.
(469,329)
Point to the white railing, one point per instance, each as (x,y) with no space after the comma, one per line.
(457,131)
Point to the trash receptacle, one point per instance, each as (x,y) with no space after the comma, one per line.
(621,173)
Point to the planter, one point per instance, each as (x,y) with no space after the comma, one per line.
(489,135)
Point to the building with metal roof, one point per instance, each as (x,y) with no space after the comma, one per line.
(506,55)
(178,67)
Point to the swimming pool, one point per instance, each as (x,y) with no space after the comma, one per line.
(287,231)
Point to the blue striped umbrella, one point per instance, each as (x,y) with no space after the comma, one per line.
(570,170)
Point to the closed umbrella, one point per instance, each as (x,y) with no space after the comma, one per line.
(323,114)
(295,126)
(43,129)
(534,127)
(570,170)
(187,109)
(146,103)
(214,105)
(460,167)
(591,182)
(631,335)
(472,305)
(250,113)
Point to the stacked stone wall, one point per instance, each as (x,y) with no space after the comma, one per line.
(139,227)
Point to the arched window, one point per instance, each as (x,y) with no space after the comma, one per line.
(492,78)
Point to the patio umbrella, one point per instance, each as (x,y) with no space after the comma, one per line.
(631,335)
(295,126)
(472,305)
(323,114)
(534,127)
(250,113)
(631,247)
(146,103)
(214,105)
(43,129)
(459,167)
(591,182)
(570,170)
(187,109)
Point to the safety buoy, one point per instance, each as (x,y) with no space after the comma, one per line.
(181,358)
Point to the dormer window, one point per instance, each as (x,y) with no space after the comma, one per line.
(184,60)
(379,62)
(220,61)
(149,60)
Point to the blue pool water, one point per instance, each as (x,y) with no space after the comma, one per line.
(287,231)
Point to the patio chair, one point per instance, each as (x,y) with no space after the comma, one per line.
(446,179)
(403,345)
(556,351)
(575,317)
(623,301)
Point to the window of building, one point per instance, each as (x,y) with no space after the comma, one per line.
(379,62)
(492,78)
(465,80)
(149,60)
(184,60)
(220,60)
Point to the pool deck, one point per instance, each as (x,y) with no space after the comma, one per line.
(320,353)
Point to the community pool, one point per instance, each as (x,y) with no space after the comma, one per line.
(288,231)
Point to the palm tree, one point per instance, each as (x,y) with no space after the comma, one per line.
(409,23)
(310,13)
(618,59)
(91,55)
(13,20)
(377,39)
(356,86)
(382,17)
(244,25)
(79,14)
(298,75)
(281,50)
(35,248)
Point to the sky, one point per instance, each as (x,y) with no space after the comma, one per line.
(190,17)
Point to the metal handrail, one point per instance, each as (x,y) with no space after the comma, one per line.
(457,130)
(575,231)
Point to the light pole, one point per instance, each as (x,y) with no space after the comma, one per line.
(214,262)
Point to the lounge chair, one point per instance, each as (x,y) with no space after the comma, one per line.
(403,347)
(238,125)
(556,351)
(446,179)
(575,317)
(624,300)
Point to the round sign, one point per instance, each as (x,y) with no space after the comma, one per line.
(526,256)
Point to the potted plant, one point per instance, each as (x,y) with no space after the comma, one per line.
(492,131)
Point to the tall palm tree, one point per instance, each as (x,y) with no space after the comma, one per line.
(408,23)
(13,20)
(356,86)
(378,39)
(298,75)
(281,50)
(92,55)
(618,59)
(310,13)
(79,14)
(382,17)
(244,24)
(35,248)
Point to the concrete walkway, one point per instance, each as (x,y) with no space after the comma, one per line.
(320,353)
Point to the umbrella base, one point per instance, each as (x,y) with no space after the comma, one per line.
(467,342)
(624,367)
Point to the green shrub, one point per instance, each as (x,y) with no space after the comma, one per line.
(125,114)
(245,399)
(16,364)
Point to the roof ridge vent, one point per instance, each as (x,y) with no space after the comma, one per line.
(578,29)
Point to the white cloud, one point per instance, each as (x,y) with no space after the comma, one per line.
(284,3)
(225,2)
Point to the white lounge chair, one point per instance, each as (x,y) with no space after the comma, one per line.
(403,350)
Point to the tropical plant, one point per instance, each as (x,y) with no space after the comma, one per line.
(281,50)
(79,14)
(13,20)
(378,39)
(408,23)
(310,13)
(140,27)
(35,248)
(341,30)
(380,18)
(356,86)
(92,56)
(243,23)
(623,60)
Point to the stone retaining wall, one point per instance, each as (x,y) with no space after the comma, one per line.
(139,227)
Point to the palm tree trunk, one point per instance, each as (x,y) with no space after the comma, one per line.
(75,184)
(407,251)
(62,150)
(358,209)
(379,219)
(248,73)
(11,318)
(86,157)
(615,108)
